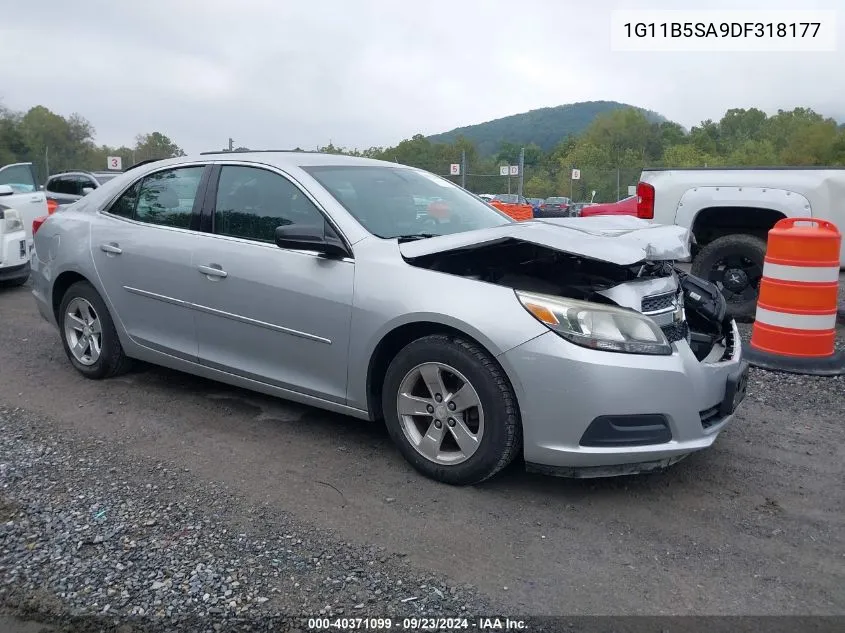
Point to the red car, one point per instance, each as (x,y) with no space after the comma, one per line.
(626,206)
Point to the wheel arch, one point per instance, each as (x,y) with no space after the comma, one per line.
(401,335)
(714,211)
(60,286)
(713,222)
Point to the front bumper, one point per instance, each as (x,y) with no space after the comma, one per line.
(14,256)
(564,390)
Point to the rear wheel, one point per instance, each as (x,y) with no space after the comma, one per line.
(451,411)
(735,264)
(88,333)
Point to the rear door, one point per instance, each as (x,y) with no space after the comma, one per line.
(27,198)
(142,246)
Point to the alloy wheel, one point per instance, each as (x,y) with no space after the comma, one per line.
(440,413)
(83,331)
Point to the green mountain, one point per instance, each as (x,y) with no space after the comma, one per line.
(544,127)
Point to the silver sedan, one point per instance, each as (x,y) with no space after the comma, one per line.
(385,292)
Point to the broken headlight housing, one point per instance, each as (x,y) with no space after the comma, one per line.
(597,326)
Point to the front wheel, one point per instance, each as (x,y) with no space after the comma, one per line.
(735,264)
(450,410)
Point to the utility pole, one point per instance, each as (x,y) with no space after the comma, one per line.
(617,183)
(521,170)
(231,145)
(464,168)
(47,159)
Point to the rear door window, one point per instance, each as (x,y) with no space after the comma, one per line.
(164,198)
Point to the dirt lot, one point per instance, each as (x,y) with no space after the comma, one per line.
(756,525)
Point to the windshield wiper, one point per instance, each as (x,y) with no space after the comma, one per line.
(416,236)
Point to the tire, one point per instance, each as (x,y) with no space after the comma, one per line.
(742,306)
(111,360)
(496,420)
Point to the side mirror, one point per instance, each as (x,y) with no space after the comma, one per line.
(320,238)
(87,190)
(6,190)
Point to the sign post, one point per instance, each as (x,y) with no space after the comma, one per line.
(576,175)
(504,170)
(114,163)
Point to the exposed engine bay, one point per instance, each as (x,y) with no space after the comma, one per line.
(685,307)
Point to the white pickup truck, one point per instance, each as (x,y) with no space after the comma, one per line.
(730,211)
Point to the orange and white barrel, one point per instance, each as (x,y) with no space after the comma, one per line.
(795,325)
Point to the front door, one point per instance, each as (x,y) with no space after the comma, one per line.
(142,248)
(277,316)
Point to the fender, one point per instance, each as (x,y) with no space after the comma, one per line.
(790,203)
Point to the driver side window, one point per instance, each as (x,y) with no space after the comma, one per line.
(252,202)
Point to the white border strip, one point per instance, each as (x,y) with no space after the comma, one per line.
(797,321)
(801,273)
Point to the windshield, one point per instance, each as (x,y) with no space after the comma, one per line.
(398,201)
(557,200)
(508,198)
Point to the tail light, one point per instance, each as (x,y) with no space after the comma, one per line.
(645,201)
(52,205)
(37,222)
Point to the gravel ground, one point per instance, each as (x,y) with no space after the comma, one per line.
(146,499)
(87,529)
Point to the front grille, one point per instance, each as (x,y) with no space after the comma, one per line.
(675,332)
(656,303)
(730,344)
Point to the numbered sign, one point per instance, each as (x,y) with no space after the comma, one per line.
(114,162)
(632,190)
(514,170)
(503,170)
(455,169)
(576,174)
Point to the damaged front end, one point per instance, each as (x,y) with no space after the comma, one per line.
(561,273)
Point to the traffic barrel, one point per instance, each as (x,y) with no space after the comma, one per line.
(795,326)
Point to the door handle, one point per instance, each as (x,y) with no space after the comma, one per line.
(112,248)
(212,270)
(36,199)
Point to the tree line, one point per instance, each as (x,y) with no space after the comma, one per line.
(610,153)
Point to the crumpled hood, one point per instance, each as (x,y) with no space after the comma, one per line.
(622,240)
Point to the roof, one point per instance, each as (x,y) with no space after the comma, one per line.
(291,158)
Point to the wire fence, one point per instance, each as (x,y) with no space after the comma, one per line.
(48,163)
(609,185)
(539,181)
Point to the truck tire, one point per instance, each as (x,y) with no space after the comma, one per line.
(735,264)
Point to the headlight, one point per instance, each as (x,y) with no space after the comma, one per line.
(12,220)
(597,326)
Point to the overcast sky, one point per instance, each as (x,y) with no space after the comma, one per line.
(282,73)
